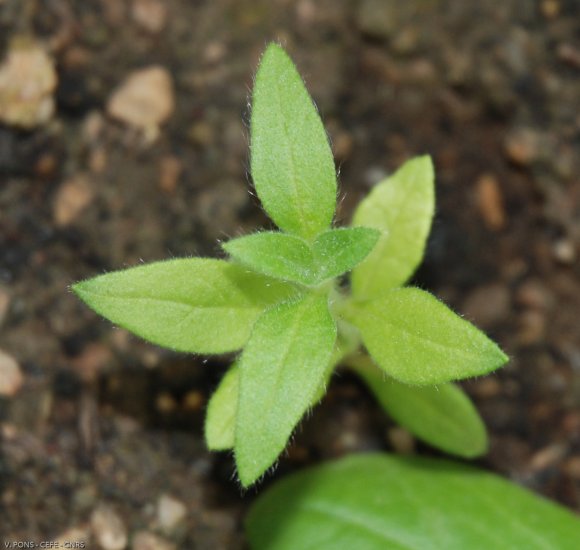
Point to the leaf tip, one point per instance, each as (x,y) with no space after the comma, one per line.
(80,289)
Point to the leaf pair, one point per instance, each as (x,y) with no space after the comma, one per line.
(293,259)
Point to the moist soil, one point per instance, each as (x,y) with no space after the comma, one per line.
(108,426)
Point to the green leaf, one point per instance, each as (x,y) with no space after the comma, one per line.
(378,502)
(402,208)
(291,258)
(339,250)
(193,305)
(220,419)
(292,165)
(418,340)
(442,416)
(275,254)
(281,369)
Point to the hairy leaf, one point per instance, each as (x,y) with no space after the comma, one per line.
(291,258)
(276,254)
(375,502)
(220,419)
(339,250)
(418,340)
(442,415)
(194,305)
(402,208)
(281,369)
(291,161)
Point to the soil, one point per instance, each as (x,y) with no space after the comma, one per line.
(107,426)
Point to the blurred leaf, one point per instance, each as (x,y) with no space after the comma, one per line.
(378,502)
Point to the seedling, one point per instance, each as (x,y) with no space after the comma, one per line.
(280,296)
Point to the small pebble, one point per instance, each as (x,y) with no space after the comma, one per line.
(550,8)
(165,403)
(27,84)
(170,169)
(379,18)
(572,467)
(532,327)
(11,378)
(342,145)
(402,441)
(170,512)
(486,388)
(533,294)
(150,15)
(569,54)
(144,540)
(98,160)
(201,133)
(564,251)
(91,362)
(193,401)
(522,146)
(490,202)
(108,528)
(487,305)
(72,198)
(145,100)
(547,457)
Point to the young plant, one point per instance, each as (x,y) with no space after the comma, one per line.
(280,299)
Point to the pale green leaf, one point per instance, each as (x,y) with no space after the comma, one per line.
(220,419)
(195,305)
(379,502)
(402,208)
(291,161)
(291,258)
(339,250)
(418,340)
(281,369)
(442,415)
(276,254)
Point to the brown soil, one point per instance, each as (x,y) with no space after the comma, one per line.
(490,89)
